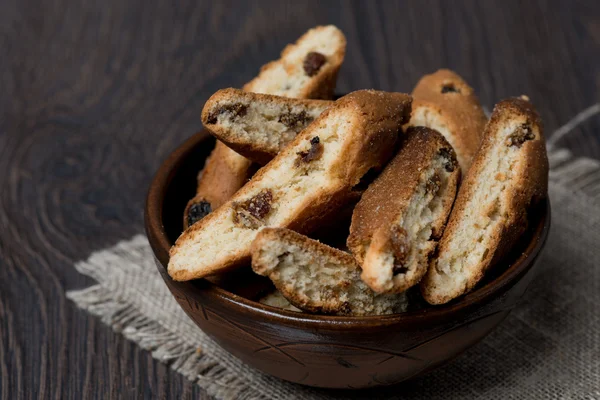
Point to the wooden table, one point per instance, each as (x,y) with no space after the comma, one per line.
(94,96)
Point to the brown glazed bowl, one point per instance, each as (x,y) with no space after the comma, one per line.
(328,351)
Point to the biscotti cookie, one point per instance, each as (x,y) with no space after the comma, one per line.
(307,181)
(317,278)
(306,69)
(509,174)
(445,102)
(258,126)
(400,217)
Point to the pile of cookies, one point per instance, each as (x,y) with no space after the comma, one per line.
(437,192)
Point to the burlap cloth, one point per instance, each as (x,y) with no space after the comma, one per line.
(549,346)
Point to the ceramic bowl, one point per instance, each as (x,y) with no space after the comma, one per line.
(328,351)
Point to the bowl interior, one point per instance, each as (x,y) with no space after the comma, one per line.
(175,183)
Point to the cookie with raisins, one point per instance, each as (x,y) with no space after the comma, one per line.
(398,221)
(266,125)
(508,177)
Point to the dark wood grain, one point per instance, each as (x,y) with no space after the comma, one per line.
(93,96)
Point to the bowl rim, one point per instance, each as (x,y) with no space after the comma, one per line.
(160,245)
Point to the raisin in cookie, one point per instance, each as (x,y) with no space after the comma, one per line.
(402,214)
(306,182)
(306,69)
(509,174)
(445,102)
(317,278)
(258,126)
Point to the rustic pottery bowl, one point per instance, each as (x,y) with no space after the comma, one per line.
(326,351)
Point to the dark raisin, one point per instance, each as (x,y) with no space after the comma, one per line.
(433,184)
(520,136)
(212,117)
(450,162)
(313,63)
(450,88)
(315,152)
(295,120)
(198,211)
(260,205)
(236,110)
(251,212)
(400,247)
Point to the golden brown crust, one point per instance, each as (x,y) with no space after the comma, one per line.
(387,199)
(253,147)
(528,186)
(458,108)
(384,110)
(368,117)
